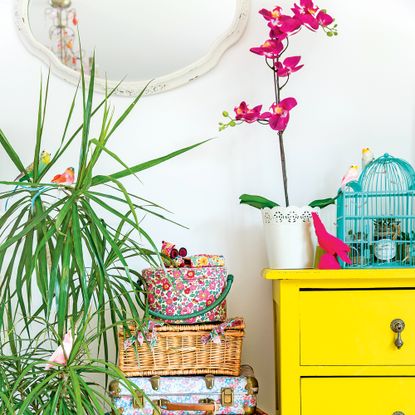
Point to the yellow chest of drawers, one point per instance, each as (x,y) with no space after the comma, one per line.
(345,341)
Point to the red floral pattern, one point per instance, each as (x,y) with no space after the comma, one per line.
(178,291)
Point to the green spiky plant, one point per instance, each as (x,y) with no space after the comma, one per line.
(56,246)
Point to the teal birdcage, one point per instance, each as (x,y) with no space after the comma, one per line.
(376,215)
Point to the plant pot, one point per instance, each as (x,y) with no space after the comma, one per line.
(288,237)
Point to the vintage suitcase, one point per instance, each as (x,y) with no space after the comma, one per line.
(186,394)
(187,295)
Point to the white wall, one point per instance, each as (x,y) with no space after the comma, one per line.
(355,90)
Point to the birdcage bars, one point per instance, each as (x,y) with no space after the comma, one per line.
(376,215)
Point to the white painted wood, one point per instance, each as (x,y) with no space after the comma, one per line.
(133,88)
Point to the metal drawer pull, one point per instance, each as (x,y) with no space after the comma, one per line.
(397,326)
(398,413)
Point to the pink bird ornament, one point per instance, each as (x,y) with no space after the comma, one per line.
(328,261)
(351,175)
(330,244)
(67,178)
(61,354)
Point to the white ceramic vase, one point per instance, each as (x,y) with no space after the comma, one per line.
(288,237)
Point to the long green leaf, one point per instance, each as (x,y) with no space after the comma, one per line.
(11,152)
(257,202)
(143,166)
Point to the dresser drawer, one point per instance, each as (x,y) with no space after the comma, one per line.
(353,327)
(368,396)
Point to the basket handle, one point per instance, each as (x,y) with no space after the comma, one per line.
(218,301)
(209,408)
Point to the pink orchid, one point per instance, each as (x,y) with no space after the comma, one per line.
(282,26)
(276,33)
(305,13)
(249,115)
(271,48)
(280,115)
(324,19)
(279,23)
(289,66)
(272,15)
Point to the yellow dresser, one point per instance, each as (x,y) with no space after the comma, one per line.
(345,341)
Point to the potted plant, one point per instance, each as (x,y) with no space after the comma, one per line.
(287,228)
(66,281)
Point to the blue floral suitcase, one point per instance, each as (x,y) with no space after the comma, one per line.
(185,395)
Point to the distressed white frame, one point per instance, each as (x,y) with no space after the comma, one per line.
(129,88)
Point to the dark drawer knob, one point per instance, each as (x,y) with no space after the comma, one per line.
(398,413)
(397,327)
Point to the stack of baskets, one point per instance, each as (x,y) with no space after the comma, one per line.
(205,349)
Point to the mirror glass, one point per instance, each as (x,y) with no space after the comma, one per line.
(133,39)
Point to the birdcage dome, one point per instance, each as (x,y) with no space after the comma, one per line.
(387,174)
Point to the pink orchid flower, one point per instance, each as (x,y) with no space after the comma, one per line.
(285,24)
(305,13)
(271,48)
(289,66)
(324,19)
(249,115)
(276,33)
(280,114)
(272,15)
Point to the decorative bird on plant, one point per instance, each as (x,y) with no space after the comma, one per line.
(62,353)
(351,175)
(332,246)
(67,178)
(44,160)
(24,176)
(367,156)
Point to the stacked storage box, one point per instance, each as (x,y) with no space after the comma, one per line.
(183,368)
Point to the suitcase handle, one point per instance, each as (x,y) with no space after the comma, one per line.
(218,301)
(209,408)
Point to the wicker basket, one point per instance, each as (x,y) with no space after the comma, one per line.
(180,351)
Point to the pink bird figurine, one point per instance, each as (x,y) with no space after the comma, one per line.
(328,261)
(66,178)
(330,244)
(61,354)
(351,175)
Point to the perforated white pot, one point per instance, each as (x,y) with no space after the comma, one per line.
(288,237)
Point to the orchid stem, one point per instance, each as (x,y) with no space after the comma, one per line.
(277,90)
(284,167)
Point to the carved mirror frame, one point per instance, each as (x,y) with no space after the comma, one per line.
(131,88)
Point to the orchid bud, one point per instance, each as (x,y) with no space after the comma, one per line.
(232,123)
(225,113)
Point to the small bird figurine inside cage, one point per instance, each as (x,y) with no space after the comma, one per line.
(376,214)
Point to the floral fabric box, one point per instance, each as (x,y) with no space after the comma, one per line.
(181,291)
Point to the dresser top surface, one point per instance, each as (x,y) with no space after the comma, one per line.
(341,274)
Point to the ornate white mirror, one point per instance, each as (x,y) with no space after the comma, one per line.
(169,42)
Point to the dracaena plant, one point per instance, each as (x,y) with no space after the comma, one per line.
(282,27)
(27,387)
(61,263)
